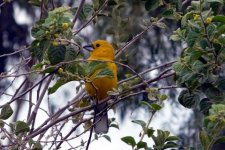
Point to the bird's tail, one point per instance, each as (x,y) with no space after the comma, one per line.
(101,124)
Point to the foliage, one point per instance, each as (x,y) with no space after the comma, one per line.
(200,68)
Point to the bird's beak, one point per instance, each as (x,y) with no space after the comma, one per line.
(88,47)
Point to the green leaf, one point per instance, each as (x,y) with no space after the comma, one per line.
(151,5)
(36,50)
(177,67)
(37,146)
(129,140)
(155,107)
(6,112)
(163,97)
(170,145)
(192,38)
(150,132)
(168,13)
(219,18)
(172,138)
(220,139)
(161,25)
(187,99)
(175,37)
(114,126)
(204,139)
(94,66)
(198,66)
(141,144)
(86,11)
(56,54)
(215,1)
(104,73)
(146,103)
(49,70)
(195,55)
(22,127)
(56,86)
(2,123)
(71,53)
(107,138)
(35,2)
(217,109)
(140,122)
(156,140)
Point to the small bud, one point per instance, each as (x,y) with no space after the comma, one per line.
(208,20)
(60,70)
(196,17)
(54,43)
(56,35)
(65,26)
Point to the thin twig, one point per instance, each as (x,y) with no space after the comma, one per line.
(134,39)
(34,113)
(92,18)
(78,12)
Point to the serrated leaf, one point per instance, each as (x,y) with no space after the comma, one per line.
(71,53)
(140,122)
(6,112)
(107,138)
(56,54)
(21,127)
(129,140)
(141,144)
(187,99)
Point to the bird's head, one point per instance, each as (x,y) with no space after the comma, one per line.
(101,50)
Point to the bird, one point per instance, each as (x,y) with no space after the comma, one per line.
(97,88)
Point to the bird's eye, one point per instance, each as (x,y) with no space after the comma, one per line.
(97,45)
